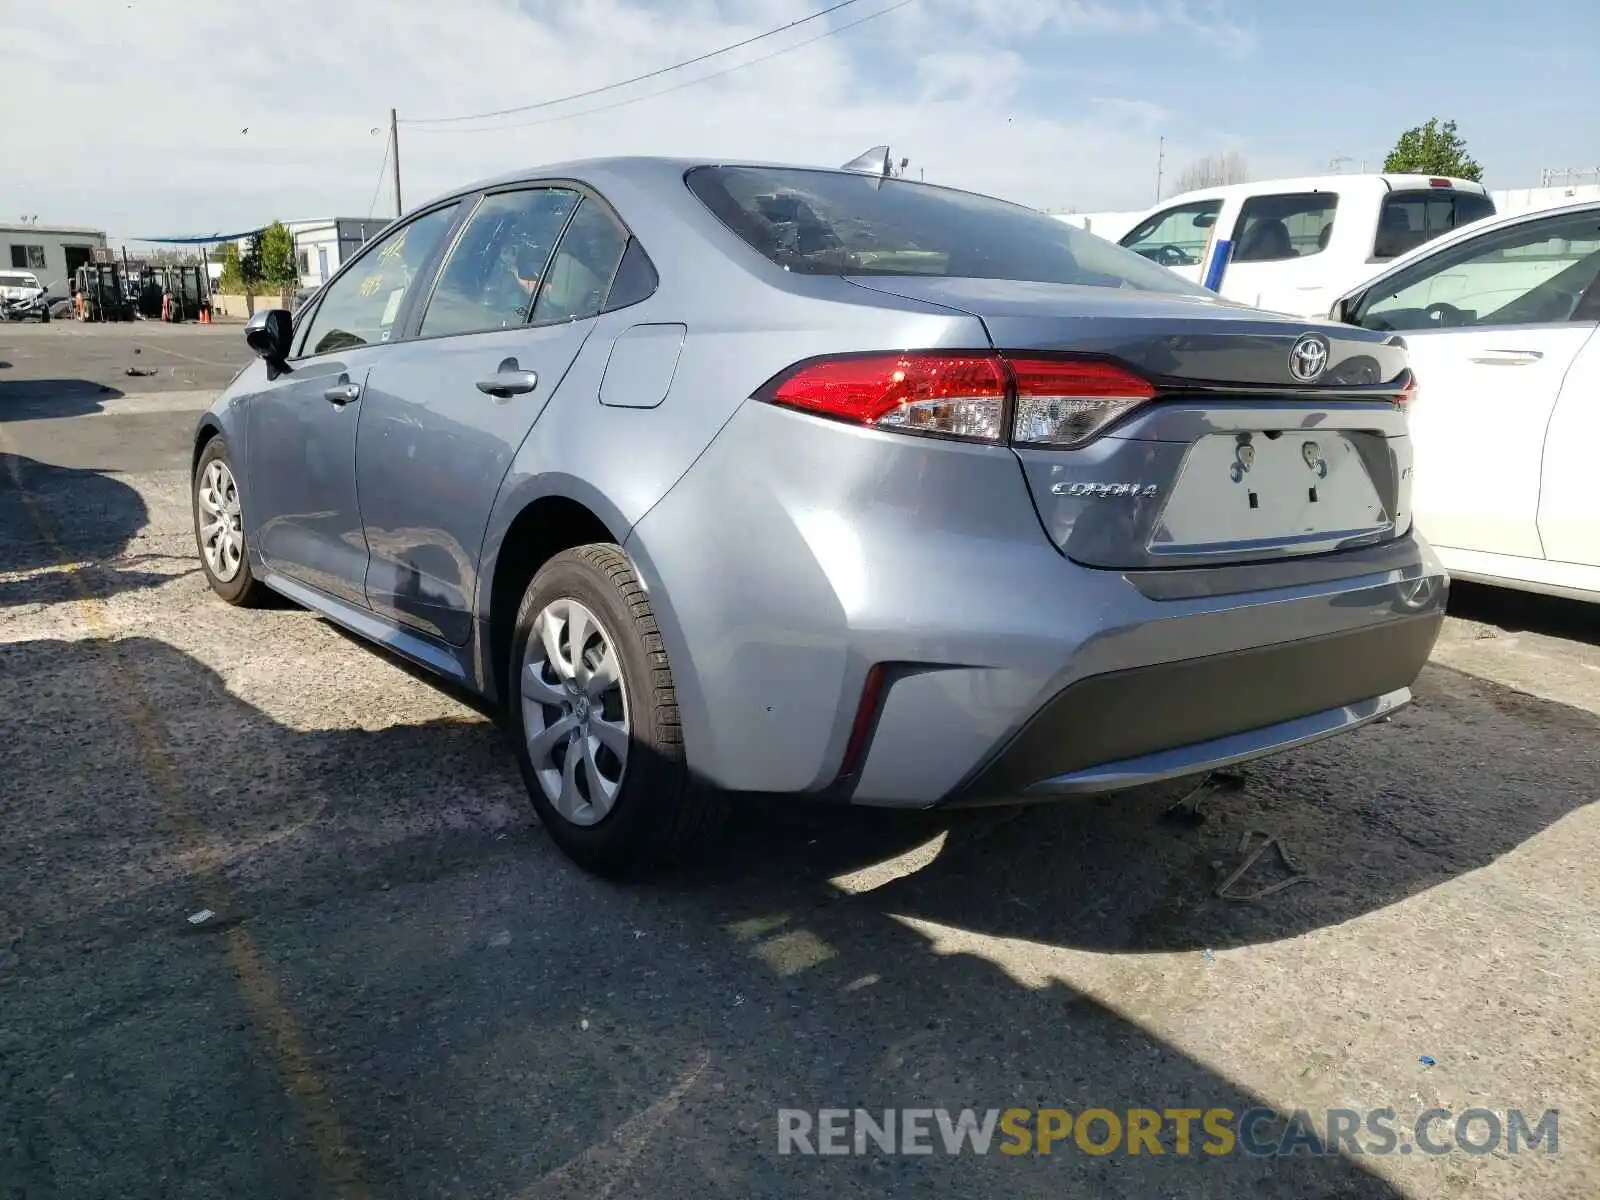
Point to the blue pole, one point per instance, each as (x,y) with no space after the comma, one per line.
(1220,253)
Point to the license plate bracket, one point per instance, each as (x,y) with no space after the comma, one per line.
(1250,492)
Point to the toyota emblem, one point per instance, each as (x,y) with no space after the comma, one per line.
(1309,357)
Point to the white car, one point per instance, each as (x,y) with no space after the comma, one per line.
(1295,245)
(1501,320)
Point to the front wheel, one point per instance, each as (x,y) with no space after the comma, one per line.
(219,529)
(594,712)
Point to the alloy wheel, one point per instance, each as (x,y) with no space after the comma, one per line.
(575,711)
(221,525)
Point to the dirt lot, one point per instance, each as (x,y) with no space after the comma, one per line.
(403,990)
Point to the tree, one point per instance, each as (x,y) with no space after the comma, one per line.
(250,264)
(232,278)
(1213,170)
(1432,149)
(275,245)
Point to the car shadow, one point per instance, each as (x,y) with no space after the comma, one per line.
(44,509)
(48,399)
(1526,612)
(376,930)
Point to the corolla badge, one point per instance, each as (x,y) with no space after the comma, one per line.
(1103,491)
(1308,358)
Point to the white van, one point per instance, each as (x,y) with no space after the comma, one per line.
(1296,245)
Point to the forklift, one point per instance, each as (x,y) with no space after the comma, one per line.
(171,293)
(101,289)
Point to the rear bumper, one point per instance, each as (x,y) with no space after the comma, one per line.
(798,555)
(1136,726)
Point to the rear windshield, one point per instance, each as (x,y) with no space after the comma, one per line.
(1408,219)
(839,223)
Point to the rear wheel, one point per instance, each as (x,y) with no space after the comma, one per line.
(219,529)
(595,715)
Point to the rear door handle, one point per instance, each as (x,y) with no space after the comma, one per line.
(342,393)
(509,383)
(1507,358)
(509,380)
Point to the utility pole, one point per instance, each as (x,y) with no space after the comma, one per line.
(394,149)
(1161,156)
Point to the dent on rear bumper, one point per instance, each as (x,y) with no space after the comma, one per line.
(797,553)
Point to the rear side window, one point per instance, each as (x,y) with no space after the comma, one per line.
(1408,219)
(1274,228)
(839,223)
(636,278)
(579,279)
(492,272)
(1177,237)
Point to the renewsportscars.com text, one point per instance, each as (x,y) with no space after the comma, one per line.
(1260,1132)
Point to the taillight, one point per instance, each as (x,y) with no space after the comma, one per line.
(1439,183)
(953,395)
(1059,402)
(1408,393)
(1065,402)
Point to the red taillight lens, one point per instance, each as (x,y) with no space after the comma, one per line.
(1059,401)
(953,395)
(1065,402)
(1408,393)
(1439,183)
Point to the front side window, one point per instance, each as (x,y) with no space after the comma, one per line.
(1408,219)
(362,305)
(840,223)
(585,262)
(1275,228)
(1177,237)
(1535,273)
(497,263)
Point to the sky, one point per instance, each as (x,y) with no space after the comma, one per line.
(171,117)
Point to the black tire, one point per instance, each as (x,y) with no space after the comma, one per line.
(661,816)
(244,589)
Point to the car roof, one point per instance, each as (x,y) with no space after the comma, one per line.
(654,170)
(1378,182)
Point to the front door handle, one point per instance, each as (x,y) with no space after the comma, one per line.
(342,393)
(509,380)
(1507,358)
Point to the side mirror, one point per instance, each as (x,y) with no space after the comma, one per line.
(268,334)
(1344,308)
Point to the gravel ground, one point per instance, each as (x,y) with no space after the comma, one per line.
(404,990)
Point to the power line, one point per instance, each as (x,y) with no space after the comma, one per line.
(586,112)
(378,186)
(689,62)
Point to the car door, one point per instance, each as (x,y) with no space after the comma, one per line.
(1569,491)
(1493,324)
(446,411)
(300,429)
(1176,237)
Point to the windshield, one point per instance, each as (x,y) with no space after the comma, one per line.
(838,223)
(13,280)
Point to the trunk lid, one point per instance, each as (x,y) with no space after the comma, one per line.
(1238,460)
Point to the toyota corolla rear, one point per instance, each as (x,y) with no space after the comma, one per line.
(1126,532)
